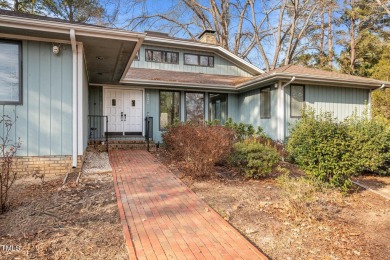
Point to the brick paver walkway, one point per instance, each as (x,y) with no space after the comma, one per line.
(163,219)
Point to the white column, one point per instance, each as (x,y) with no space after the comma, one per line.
(80,97)
(206,106)
(280,112)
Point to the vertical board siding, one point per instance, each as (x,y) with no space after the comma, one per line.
(249,111)
(341,102)
(95,100)
(44,119)
(152,107)
(221,65)
(233,109)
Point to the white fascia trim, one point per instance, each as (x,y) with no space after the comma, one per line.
(204,46)
(80,97)
(62,27)
(311,79)
(280,111)
(132,57)
(74,98)
(30,38)
(154,86)
(177,84)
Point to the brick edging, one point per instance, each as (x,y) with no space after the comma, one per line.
(125,226)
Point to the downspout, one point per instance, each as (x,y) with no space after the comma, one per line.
(281,109)
(74,94)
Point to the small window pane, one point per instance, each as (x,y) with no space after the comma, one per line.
(218,107)
(174,57)
(149,55)
(204,61)
(113,102)
(211,61)
(157,56)
(194,107)
(169,108)
(265,103)
(297,99)
(10,68)
(191,59)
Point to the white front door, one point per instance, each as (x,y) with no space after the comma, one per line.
(124,110)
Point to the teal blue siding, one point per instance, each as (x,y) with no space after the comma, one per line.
(342,102)
(95,100)
(152,108)
(249,111)
(221,65)
(44,119)
(95,107)
(233,109)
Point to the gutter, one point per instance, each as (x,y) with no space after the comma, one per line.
(64,27)
(316,79)
(75,97)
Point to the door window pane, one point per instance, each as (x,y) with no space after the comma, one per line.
(194,107)
(218,107)
(10,71)
(297,98)
(265,103)
(169,108)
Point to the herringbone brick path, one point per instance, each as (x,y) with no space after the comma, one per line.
(163,219)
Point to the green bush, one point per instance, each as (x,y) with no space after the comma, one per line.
(333,151)
(253,158)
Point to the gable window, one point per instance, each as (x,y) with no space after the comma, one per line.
(10,72)
(297,99)
(218,109)
(162,56)
(198,60)
(265,103)
(194,106)
(169,108)
(136,56)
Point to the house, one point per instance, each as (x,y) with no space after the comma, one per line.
(56,77)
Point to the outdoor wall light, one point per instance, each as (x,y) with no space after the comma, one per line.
(56,48)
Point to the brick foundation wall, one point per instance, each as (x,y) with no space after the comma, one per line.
(51,165)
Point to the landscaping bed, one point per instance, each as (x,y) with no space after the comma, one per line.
(53,221)
(297,222)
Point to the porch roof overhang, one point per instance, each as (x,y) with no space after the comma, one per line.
(108,52)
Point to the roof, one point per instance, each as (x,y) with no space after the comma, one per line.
(108,52)
(318,76)
(159,76)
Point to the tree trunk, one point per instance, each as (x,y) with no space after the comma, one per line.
(330,36)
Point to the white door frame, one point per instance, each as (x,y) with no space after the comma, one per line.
(126,88)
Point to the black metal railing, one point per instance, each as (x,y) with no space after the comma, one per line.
(98,128)
(148,130)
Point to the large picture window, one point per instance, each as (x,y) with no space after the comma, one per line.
(297,99)
(265,103)
(169,108)
(194,107)
(198,60)
(218,109)
(162,56)
(10,72)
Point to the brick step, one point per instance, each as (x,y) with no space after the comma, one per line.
(122,145)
